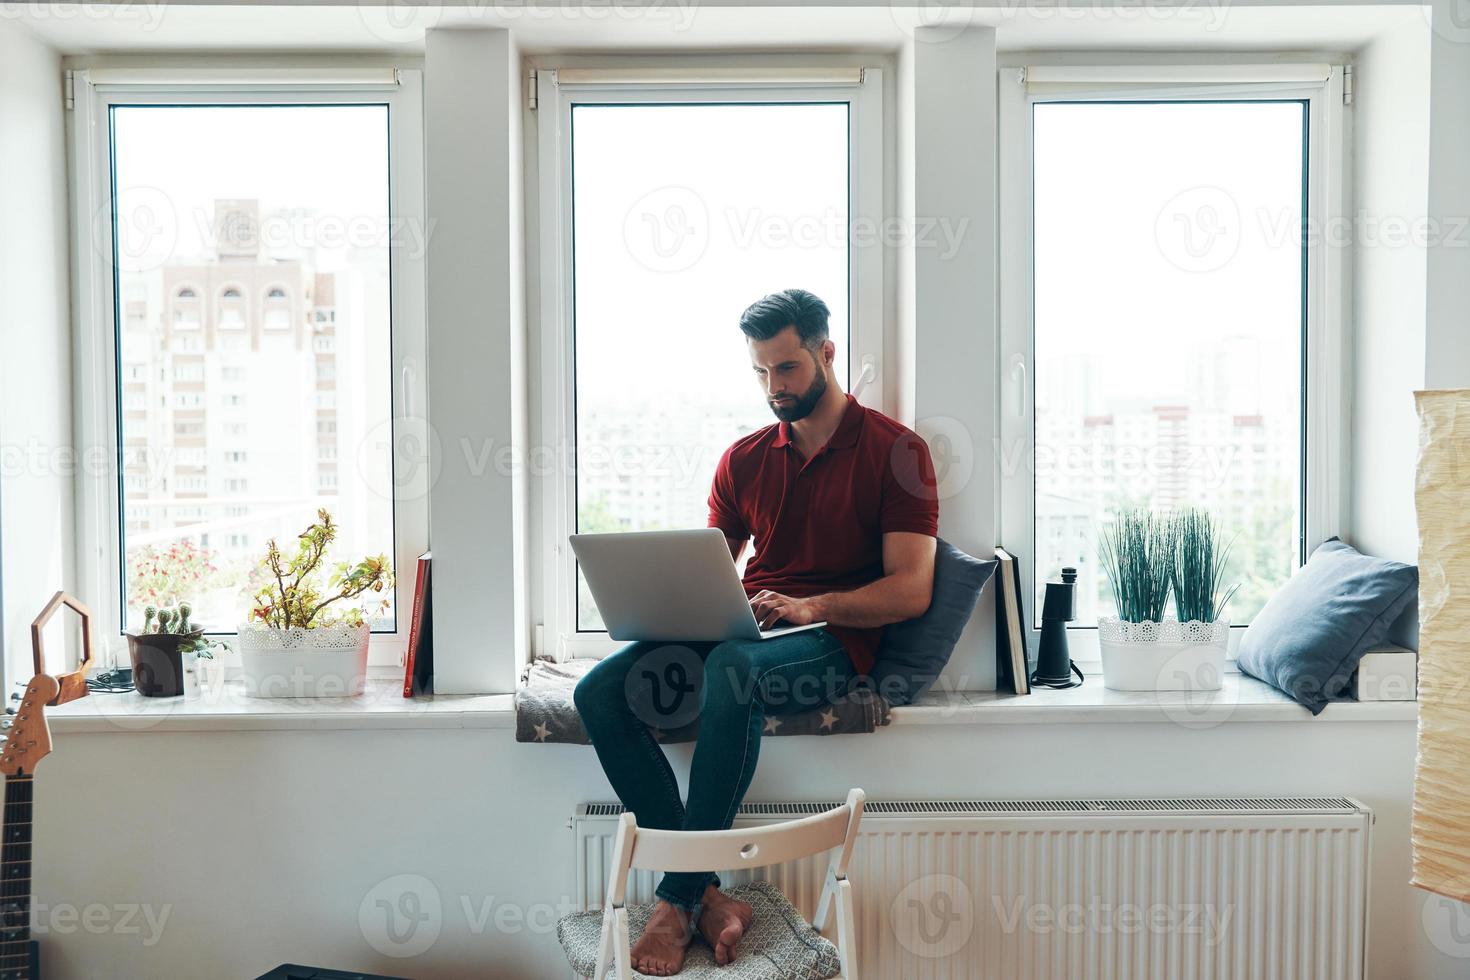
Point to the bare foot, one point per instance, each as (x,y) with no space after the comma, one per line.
(659,952)
(723,922)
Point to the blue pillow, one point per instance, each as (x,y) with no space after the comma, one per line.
(914,651)
(1308,640)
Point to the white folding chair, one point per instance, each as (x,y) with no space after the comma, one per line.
(756,847)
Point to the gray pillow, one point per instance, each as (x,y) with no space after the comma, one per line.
(1308,640)
(914,651)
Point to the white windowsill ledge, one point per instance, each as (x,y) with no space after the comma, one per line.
(1240,699)
(382,706)
(227,709)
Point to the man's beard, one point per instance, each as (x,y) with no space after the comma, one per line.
(804,404)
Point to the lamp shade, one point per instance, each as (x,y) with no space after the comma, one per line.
(1441,819)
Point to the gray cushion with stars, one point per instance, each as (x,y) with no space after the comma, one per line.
(779,945)
(545,711)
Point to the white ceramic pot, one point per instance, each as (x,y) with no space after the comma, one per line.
(1166,656)
(327,662)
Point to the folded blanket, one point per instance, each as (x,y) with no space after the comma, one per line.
(545,712)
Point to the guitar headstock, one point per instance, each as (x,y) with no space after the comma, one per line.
(28,740)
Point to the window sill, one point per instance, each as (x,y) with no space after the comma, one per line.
(1240,699)
(382,706)
(226,709)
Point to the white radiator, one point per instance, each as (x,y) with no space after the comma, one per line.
(1214,889)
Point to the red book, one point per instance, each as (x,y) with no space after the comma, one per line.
(418,660)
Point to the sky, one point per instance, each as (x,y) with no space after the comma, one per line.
(684,216)
(173,162)
(1161,229)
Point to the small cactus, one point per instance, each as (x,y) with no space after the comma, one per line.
(148,613)
(184,626)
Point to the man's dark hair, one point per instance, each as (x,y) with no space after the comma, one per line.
(797,308)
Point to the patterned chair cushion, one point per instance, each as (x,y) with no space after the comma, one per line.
(779,945)
(545,712)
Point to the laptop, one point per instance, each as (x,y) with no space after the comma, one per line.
(669,586)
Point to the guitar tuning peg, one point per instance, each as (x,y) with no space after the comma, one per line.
(15,697)
(10,711)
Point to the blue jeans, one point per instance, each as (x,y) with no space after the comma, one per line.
(730,687)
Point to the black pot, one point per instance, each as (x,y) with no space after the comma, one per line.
(158,663)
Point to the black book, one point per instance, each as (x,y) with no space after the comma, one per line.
(1012,663)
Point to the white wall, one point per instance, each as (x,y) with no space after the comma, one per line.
(1447,344)
(264,847)
(1391,171)
(36,518)
(475,327)
(954,308)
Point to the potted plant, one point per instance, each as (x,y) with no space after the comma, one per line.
(164,651)
(1146,557)
(295,645)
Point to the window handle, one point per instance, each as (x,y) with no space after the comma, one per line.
(866,375)
(1018,378)
(406,379)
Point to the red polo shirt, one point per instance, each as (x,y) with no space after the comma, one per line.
(818,523)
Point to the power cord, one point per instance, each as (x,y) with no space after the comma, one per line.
(118,680)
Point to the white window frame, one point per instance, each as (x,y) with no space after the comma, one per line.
(1321,86)
(94,91)
(557,90)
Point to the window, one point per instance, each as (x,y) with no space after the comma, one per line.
(240,229)
(1160,344)
(704,221)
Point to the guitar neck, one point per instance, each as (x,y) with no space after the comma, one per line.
(15,881)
